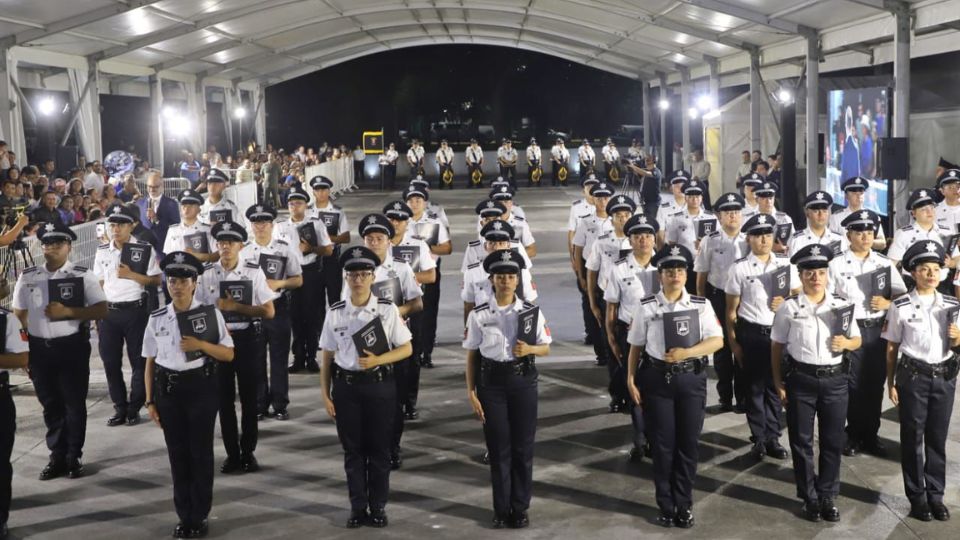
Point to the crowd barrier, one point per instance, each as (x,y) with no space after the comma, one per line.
(172,187)
(339,171)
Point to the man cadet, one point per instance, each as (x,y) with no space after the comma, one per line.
(750,203)
(444,159)
(363,397)
(334,219)
(127,312)
(238,289)
(754,291)
(477,287)
(474,158)
(393,280)
(920,204)
(307,306)
(948,210)
(587,158)
(55,303)
(854,190)
(503,338)
(534,161)
(676,203)
(921,328)
(217,207)
(191,235)
(604,252)
(631,278)
(416,253)
(766,197)
(671,384)
(689,225)
(425,226)
(869,280)
(718,251)
(611,160)
(13,355)
(649,189)
(817,209)
(280,262)
(588,230)
(559,157)
(434,209)
(514,216)
(507,161)
(811,331)
(183,392)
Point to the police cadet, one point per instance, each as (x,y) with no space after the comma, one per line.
(501,380)
(921,326)
(389,163)
(671,385)
(217,207)
(750,204)
(922,208)
(240,290)
(856,275)
(191,232)
(816,207)
(13,355)
(433,208)
(477,287)
(515,217)
(280,262)
(611,160)
(674,204)
(559,157)
(605,251)
(60,343)
(183,391)
(948,210)
(534,161)
(425,272)
(588,230)
(363,400)
(749,317)
(809,372)
(854,191)
(474,158)
(307,306)
(420,222)
(689,225)
(126,316)
(766,196)
(580,209)
(718,251)
(507,161)
(631,278)
(334,219)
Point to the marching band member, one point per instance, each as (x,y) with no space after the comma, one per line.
(415,158)
(534,161)
(587,158)
(559,158)
(474,158)
(507,161)
(444,160)
(611,160)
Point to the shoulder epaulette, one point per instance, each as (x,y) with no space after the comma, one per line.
(384,301)
(838,210)
(648,299)
(905,228)
(840,297)
(741,259)
(339,304)
(578,201)
(104,246)
(518,217)
(881,255)
(28,270)
(252,264)
(778,214)
(432,215)
(337,207)
(79,268)
(698,299)
(707,213)
(474,265)
(208,266)
(528,305)
(282,242)
(158,312)
(952,300)
(474,243)
(902,301)
(676,213)
(398,260)
(714,234)
(665,204)
(604,235)
(782,255)
(799,233)
(621,260)
(482,307)
(793,297)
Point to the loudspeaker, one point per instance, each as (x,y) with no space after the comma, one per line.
(66,159)
(893,158)
(821,147)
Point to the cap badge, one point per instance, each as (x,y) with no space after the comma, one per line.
(762,219)
(675,251)
(505,257)
(815,250)
(497,225)
(356,253)
(49,227)
(819,195)
(226,226)
(864,215)
(178,258)
(931,247)
(372,220)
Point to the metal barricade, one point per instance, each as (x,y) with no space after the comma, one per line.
(172,187)
(339,171)
(244,195)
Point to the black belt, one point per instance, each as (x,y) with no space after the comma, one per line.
(494,373)
(870,323)
(251,331)
(946,369)
(126,305)
(315,265)
(747,325)
(820,372)
(367,376)
(670,369)
(58,341)
(4,380)
(168,379)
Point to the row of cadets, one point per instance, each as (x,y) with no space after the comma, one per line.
(183,390)
(307,305)
(501,377)
(280,263)
(416,253)
(631,278)
(216,207)
(338,230)
(677,202)
(816,208)
(559,157)
(426,226)
(239,289)
(718,251)
(477,287)
(854,192)
(588,230)
(191,235)
(394,281)
(59,340)
(687,226)
(924,227)
(487,211)
(359,392)
(606,250)
(127,313)
(671,385)
(514,215)
(750,284)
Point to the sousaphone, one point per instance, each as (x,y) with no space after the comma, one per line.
(476,176)
(446,175)
(536,173)
(614,174)
(562,174)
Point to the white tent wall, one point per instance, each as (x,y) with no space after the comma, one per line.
(88,117)
(932,135)
(11,118)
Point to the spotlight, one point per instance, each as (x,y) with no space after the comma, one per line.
(693,112)
(784,96)
(47,106)
(179,126)
(240,113)
(664,104)
(169,112)
(705,102)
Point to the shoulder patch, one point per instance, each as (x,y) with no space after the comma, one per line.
(838,210)
(338,305)
(103,246)
(578,201)
(528,305)
(474,243)
(906,228)
(282,242)
(384,301)
(158,312)
(798,234)
(741,259)
(902,301)
(78,268)
(482,307)
(252,264)
(648,299)
(208,266)
(28,270)
(698,299)
(952,300)
(714,234)
(474,265)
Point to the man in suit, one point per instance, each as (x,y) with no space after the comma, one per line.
(157,211)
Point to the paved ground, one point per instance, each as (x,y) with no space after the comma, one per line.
(584,485)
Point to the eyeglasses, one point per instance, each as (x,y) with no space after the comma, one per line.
(358,275)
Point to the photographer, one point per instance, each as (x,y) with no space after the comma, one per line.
(649,176)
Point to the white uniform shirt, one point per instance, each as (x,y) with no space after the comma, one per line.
(478,289)
(436,211)
(105,265)
(386,271)
(492,329)
(588,230)
(750,210)
(533,153)
(915,323)
(604,252)
(842,280)
(286,230)
(415,154)
(560,153)
(424,261)
(579,210)
(444,156)
(717,254)
(746,281)
(681,228)
(521,230)
(646,330)
(333,218)
(611,154)
(161,340)
(668,208)
(278,248)
(175,234)
(837,218)
(32,293)
(629,282)
(586,155)
(508,155)
(344,319)
(806,237)
(473,155)
(417,229)
(208,285)
(805,329)
(948,216)
(207,207)
(15,341)
(634,152)
(389,157)
(913,233)
(476,252)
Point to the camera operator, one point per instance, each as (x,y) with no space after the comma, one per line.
(12,213)
(649,176)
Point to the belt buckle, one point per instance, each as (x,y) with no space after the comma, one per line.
(822,372)
(676,368)
(173,377)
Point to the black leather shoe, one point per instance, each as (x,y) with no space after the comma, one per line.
(230,466)
(684,518)
(133,419)
(249,464)
(940,511)
(4,531)
(852,448)
(499,521)
(199,531)
(75,469)
(774,450)
(426,362)
(378,518)
(357,519)
(411,413)
(587,340)
(281,415)
(485,458)
(312,366)
(811,512)
(54,469)
(601,361)
(180,531)
(666,519)
(118,419)
(875,448)
(520,520)
(614,405)
(636,455)
(726,405)
(921,511)
(295,367)
(829,511)
(395,460)
(757,451)
(740,408)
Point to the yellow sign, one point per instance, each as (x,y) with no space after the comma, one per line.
(373,142)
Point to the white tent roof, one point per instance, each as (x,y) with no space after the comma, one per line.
(263,42)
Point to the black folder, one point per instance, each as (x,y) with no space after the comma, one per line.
(217,216)
(200,323)
(242,292)
(308,234)
(136,256)
(835,247)
(408,254)
(527,321)
(951,243)
(429,233)
(273,266)
(197,242)
(949,317)
(389,289)
(681,329)
(842,319)
(331,220)
(778,282)
(705,227)
(371,337)
(783,232)
(67,291)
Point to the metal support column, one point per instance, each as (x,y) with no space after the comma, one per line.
(756,95)
(662,158)
(684,114)
(647,117)
(155,138)
(813,112)
(901,102)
